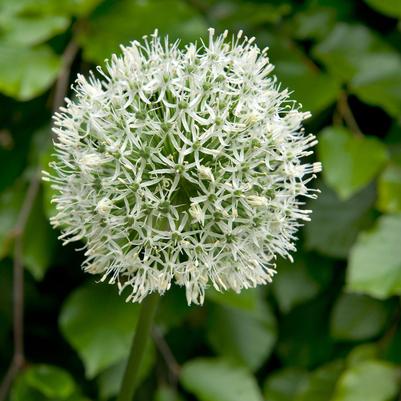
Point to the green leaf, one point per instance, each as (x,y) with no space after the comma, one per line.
(51,381)
(247,299)
(48,7)
(78,397)
(110,379)
(380,86)
(99,325)
(242,336)
(27,72)
(375,261)
(392,8)
(335,223)
(389,189)
(343,50)
(293,285)
(343,9)
(350,51)
(362,353)
(321,383)
(249,14)
(368,381)
(21,391)
(32,29)
(314,23)
(349,162)
(42,383)
(218,380)
(312,88)
(357,317)
(39,241)
(284,384)
(112,25)
(165,393)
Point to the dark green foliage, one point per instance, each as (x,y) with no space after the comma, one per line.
(329,327)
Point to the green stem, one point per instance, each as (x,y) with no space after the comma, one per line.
(144,325)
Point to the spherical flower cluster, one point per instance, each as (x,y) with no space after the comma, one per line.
(182,165)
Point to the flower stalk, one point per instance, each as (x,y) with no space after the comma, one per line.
(142,333)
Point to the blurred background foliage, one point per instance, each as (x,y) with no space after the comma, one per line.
(328,328)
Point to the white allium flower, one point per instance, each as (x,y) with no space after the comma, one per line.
(182,166)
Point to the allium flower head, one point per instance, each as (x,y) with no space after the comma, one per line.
(182,166)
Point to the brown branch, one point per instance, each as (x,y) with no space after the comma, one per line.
(8,379)
(304,58)
(64,76)
(337,117)
(18,269)
(18,359)
(346,114)
(165,351)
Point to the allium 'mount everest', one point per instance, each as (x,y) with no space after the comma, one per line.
(182,166)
